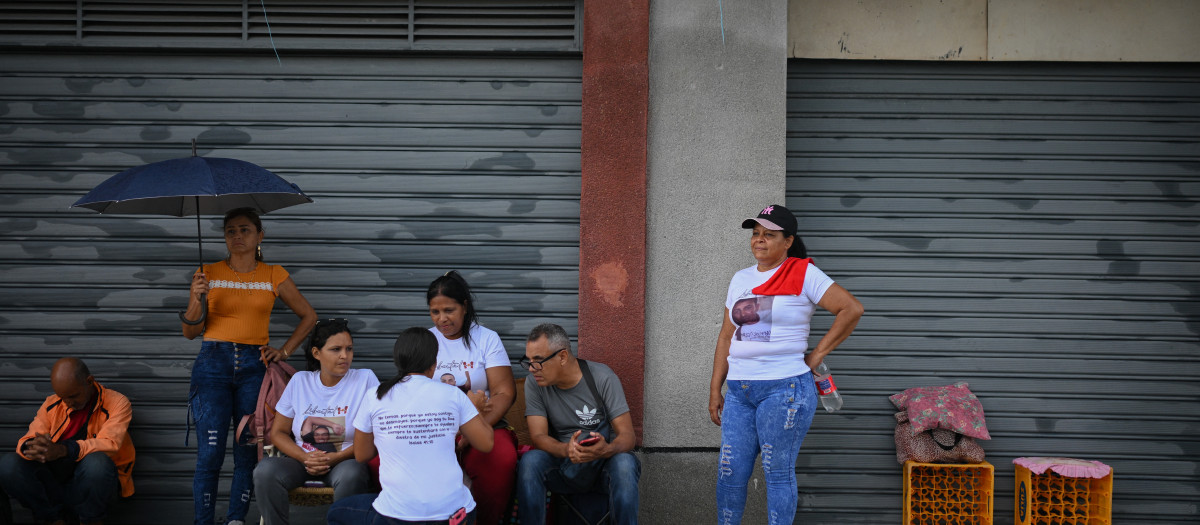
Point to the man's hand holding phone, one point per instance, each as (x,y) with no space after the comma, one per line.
(590,448)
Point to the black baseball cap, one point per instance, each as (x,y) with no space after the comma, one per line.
(773,217)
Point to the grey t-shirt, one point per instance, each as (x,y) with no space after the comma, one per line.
(574,408)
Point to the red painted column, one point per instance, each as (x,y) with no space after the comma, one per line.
(612,221)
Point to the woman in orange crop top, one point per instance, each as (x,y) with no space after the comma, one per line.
(228,373)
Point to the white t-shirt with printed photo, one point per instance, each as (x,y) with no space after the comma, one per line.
(772,330)
(414,427)
(327,410)
(455,359)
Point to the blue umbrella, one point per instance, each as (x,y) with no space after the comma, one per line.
(192,186)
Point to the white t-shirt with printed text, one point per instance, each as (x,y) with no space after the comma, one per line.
(414,427)
(456,359)
(329,410)
(772,330)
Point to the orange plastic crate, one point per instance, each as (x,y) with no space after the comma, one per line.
(948,494)
(1053,499)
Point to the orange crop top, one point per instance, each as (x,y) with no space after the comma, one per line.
(239,304)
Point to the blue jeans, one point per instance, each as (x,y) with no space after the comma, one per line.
(357,510)
(226,379)
(617,476)
(768,417)
(86,488)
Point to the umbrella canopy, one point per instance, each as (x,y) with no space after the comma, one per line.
(179,186)
(192,186)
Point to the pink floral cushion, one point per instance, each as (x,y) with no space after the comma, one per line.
(952,407)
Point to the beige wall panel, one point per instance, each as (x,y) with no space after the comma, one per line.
(1094,30)
(885,29)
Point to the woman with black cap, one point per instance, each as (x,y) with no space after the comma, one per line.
(760,353)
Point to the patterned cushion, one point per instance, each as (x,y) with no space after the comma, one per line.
(952,407)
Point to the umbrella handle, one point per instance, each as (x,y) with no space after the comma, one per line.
(203,313)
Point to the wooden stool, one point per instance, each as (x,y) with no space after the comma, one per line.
(302,496)
(311,496)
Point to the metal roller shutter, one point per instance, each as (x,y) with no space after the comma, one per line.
(418,163)
(1031,229)
(456,25)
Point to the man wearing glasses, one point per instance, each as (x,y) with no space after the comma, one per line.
(581,430)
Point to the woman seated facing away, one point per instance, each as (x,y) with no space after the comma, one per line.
(411,422)
(317,406)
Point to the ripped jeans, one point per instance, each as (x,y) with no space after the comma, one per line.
(769,417)
(226,378)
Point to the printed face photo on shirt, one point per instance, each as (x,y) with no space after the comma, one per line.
(745,311)
(323,433)
(752,315)
(457,373)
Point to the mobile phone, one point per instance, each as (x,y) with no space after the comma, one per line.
(589,441)
(459,516)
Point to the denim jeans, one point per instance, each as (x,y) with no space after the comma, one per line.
(617,476)
(274,477)
(357,510)
(768,417)
(226,379)
(49,490)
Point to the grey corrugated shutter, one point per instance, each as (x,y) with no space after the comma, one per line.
(418,164)
(522,25)
(1031,229)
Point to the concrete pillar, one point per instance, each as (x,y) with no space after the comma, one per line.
(716,155)
(612,204)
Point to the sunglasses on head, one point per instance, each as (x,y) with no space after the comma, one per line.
(338,321)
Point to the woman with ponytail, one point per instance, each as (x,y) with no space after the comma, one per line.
(316,408)
(410,422)
(476,359)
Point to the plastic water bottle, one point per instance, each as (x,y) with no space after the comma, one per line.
(830,398)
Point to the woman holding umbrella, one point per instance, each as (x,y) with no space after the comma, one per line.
(228,373)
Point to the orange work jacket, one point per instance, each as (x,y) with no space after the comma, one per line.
(107,430)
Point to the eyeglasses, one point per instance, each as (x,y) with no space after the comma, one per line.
(327,322)
(528,363)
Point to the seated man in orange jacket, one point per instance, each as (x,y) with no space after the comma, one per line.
(77,454)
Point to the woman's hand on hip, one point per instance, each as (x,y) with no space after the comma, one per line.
(270,354)
(813,361)
(716,403)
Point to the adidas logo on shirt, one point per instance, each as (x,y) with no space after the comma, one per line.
(587,416)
